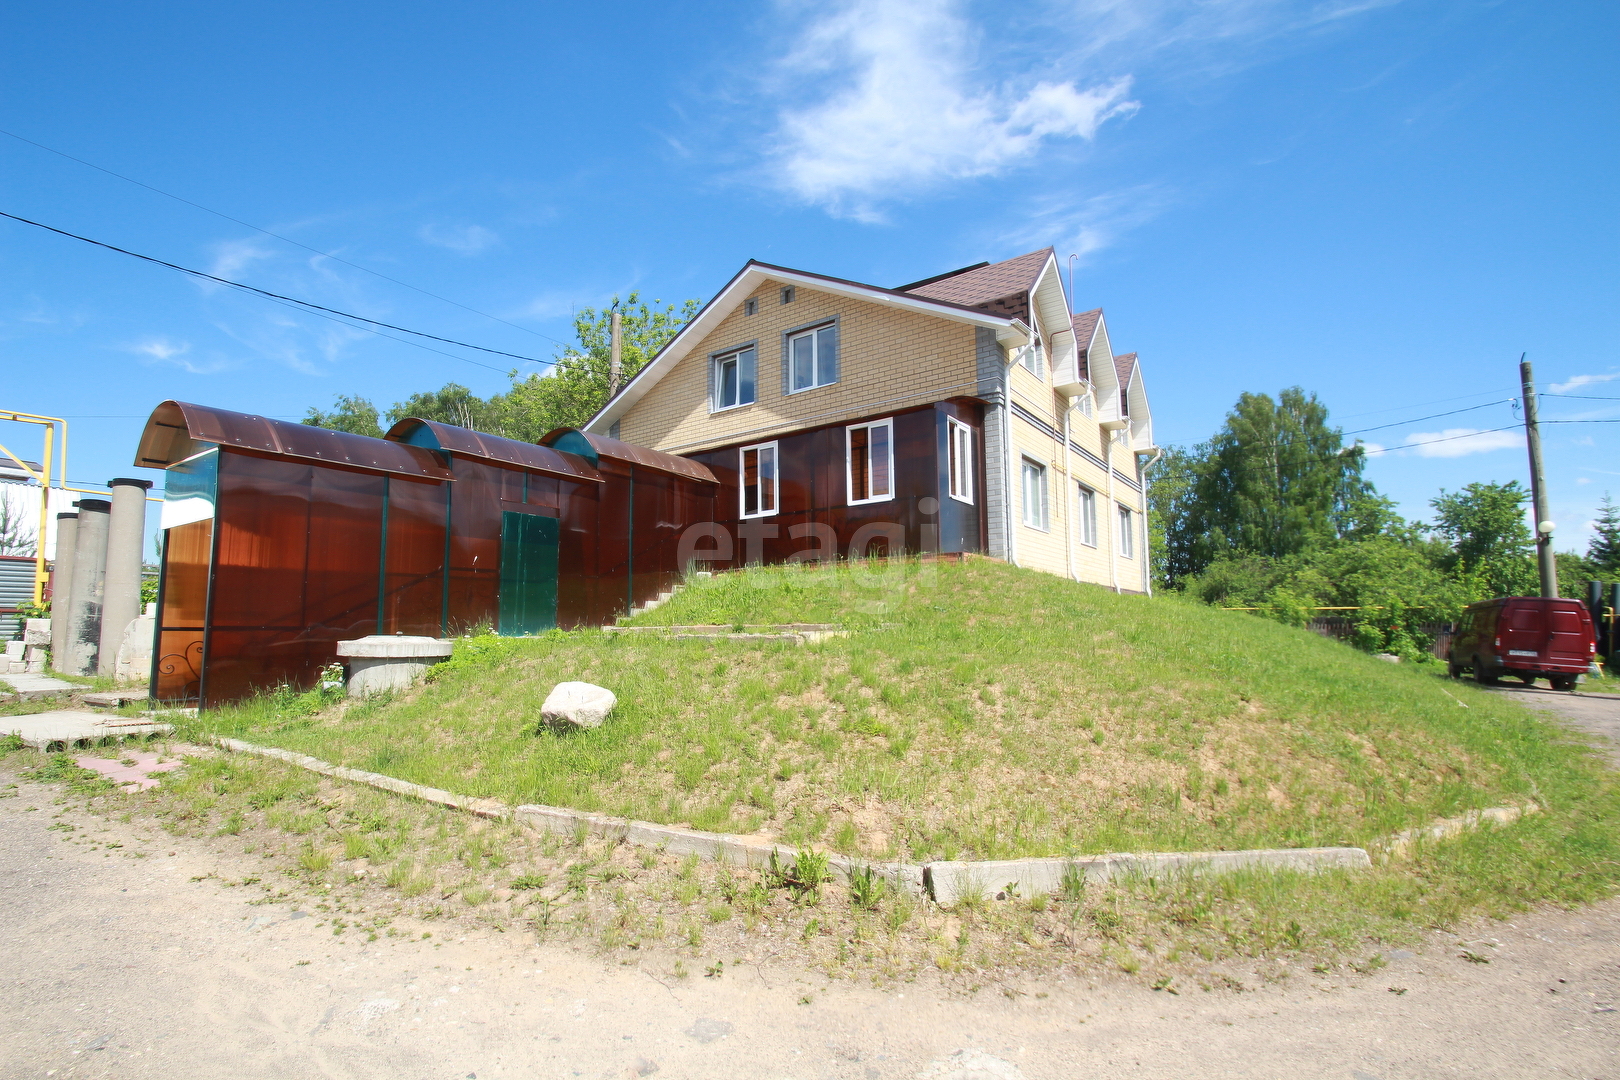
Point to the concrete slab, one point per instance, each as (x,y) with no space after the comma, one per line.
(115,698)
(70,726)
(29,687)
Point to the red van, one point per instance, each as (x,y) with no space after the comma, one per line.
(1530,637)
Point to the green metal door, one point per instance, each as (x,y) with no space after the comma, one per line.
(528,574)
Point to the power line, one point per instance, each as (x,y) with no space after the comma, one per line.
(1582,397)
(1421,404)
(278,236)
(278,296)
(1431,416)
(1450,438)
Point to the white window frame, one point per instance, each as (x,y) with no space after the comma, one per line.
(817,366)
(959,461)
(1041,519)
(775,508)
(849,461)
(718,363)
(1085,506)
(1127,533)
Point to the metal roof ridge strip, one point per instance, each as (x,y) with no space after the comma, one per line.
(633,454)
(265,435)
(478,444)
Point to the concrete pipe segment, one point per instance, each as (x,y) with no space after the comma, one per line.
(67,528)
(85,594)
(380,663)
(126,539)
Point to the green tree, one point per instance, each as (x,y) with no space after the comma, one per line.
(17,524)
(1604,550)
(1275,480)
(576,387)
(1170,488)
(1485,526)
(352,413)
(452,403)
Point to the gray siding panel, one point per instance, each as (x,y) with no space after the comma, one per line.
(992,368)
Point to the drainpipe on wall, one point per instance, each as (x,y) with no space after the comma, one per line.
(1147,531)
(1006,461)
(1068,494)
(1113,513)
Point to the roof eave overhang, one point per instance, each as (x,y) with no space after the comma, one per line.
(1008,331)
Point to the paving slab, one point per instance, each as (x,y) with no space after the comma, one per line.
(115,698)
(29,687)
(69,726)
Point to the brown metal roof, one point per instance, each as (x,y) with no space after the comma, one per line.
(460,440)
(1123,366)
(986,284)
(1085,325)
(179,429)
(631,454)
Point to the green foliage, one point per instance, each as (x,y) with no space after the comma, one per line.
(149,590)
(27,609)
(574,390)
(866,887)
(1274,481)
(1484,524)
(1604,550)
(481,651)
(352,413)
(578,385)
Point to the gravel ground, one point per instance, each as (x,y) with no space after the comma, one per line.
(138,961)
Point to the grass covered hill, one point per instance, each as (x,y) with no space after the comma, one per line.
(975,711)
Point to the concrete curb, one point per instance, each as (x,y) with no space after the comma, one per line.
(1402,843)
(949,882)
(946,883)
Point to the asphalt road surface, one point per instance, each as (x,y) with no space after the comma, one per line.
(119,963)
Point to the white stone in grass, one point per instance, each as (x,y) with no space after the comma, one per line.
(577,704)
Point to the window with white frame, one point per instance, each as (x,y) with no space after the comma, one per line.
(1084,401)
(758,480)
(812,358)
(959,459)
(1127,532)
(1085,505)
(869,457)
(734,378)
(1034,474)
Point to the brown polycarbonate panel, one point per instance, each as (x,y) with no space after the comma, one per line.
(179,665)
(161,440)
(244,662)
(413,589)
(185,574)
(475,541)
(262,516)
(460,440)
(345,542)
(592,537)
(631,454)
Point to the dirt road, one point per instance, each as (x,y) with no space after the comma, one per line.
(1595,714)
(120,962)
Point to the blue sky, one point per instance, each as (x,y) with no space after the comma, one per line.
(1384,202)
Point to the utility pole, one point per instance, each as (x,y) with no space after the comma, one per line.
(1538,484)
(615,353)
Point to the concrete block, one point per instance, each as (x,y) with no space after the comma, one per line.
(380,663)
(36,631)
(14,651)
(134,664)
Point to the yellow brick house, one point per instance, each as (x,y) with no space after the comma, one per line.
(967,412)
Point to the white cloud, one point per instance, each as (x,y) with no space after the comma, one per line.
(161,350)
(905,110)
(1583,479)
(234,255)
(464,239)
(1582,380)
(1371,447)
(1460,442)
(1082,226)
